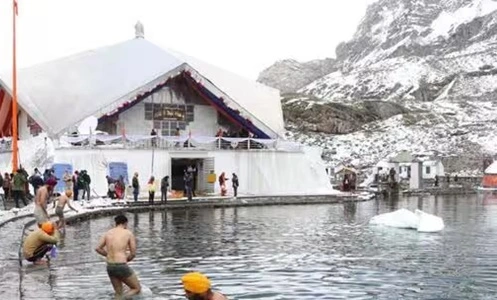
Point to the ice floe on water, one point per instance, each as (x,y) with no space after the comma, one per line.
(403,218)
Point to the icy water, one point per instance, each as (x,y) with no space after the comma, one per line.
(290,252)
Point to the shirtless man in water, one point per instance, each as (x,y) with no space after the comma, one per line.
(41,200)
(61,201)
(113,246)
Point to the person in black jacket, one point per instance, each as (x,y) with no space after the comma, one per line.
(234,181)
(85,182)
(136,186)
(36,181)
(164,187)
(189,185)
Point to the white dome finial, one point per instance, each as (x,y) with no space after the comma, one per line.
(139,30)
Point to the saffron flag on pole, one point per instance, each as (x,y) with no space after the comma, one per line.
(15,7)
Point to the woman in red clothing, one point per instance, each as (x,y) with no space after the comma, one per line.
(222,184)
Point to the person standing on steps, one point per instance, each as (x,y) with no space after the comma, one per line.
(222,183)
(234,181)
(7,184)
(136,186)
(114,246)
(68,181)
(86,181)
(189,185)
(151,190)
(76,187)
(164,187)
(19,188)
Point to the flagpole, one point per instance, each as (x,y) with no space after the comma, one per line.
(14,90)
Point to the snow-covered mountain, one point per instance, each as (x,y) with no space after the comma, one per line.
(289,75)
(436,58)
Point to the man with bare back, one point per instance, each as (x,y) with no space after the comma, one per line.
(41,200)
(114,245)
(61,201)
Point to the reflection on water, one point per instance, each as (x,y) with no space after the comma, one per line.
(295,252)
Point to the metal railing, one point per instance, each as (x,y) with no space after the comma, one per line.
(176,143)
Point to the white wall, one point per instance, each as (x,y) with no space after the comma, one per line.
(436,168)
(134,121)
(205,121)
(260,173)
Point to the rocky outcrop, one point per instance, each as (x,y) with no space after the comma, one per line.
(291,75)
(310,114)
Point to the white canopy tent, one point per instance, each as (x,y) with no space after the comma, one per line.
(62,93)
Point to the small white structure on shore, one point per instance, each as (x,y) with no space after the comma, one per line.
(402,164)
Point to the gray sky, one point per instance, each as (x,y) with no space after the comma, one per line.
(243,36)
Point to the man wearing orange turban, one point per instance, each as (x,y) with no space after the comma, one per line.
(198,287)
(39,242)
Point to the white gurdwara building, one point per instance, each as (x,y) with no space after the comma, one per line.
(202,116)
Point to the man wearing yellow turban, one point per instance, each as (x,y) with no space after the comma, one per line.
(198,287)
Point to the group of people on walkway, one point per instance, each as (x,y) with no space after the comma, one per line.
(16,185)
(151,188)
(79,183)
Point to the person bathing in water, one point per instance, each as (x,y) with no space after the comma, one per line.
(114,245)
(39,242)
(41,200)
(198,287)
(61,201)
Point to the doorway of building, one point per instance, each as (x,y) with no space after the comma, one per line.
(200,166)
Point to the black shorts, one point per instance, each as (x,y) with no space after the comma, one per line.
(40,252)
(119,270)
(59,211)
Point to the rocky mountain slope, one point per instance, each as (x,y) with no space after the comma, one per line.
(308,114)
(290,75)
(434,58)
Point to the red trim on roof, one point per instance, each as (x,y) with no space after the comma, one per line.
(206,99)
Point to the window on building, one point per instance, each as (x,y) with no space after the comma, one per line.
(190,113)
(168,117)
(428,170)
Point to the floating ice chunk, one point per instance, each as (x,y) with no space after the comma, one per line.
(401,218)
(429,223)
